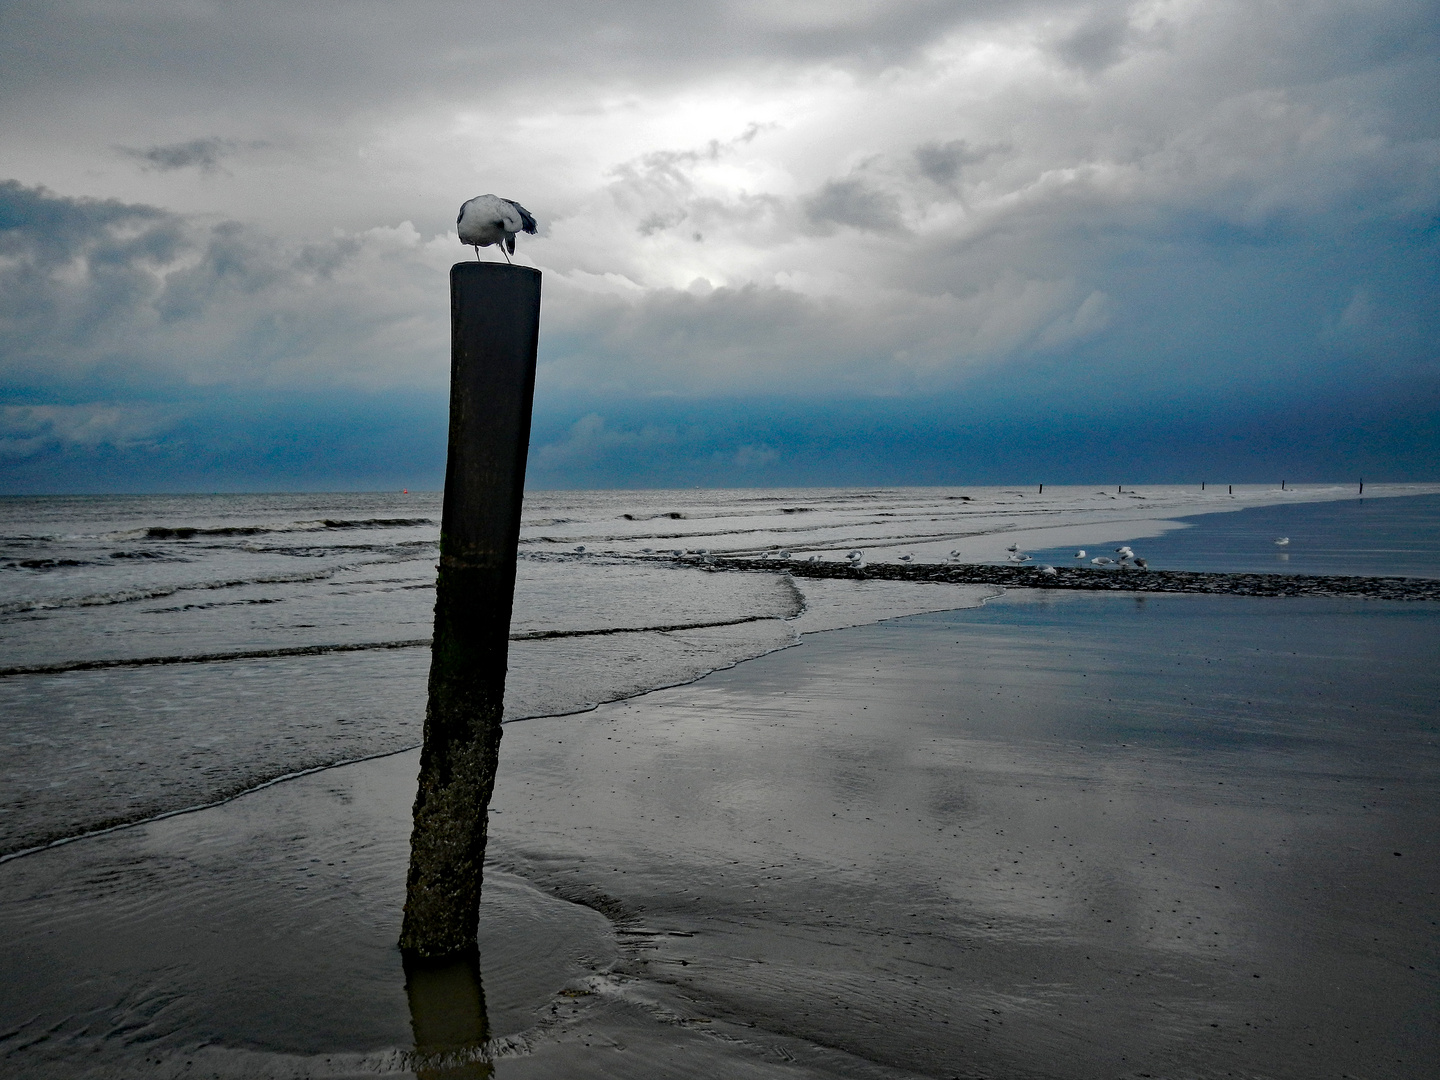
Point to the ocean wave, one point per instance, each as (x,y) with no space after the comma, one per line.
(208,658)
(190,532)
(378,523)
(42,564)
(62,563)
(355,646)
(127,596)
(681,515)
(185,532)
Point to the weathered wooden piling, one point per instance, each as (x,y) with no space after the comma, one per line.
(494,321)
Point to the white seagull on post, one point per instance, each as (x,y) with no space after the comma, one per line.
(489,219)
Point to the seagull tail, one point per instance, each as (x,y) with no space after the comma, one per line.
(527,221)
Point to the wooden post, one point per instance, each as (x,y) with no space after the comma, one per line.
(494,322)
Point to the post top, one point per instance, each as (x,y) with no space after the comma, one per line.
(488,269)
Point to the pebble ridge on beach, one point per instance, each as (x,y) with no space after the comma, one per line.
(1077,577)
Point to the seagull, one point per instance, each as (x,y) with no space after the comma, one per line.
(1124,553)
(1080,554)
(648,551)
(1021,557)
(1281,541)
(580,549)
(906,557)
(813,558)
(1142,564)
(955,554)
(489,219)
(855,556)
(1013,547)
(784,555)
(1048,571)
(1101,560)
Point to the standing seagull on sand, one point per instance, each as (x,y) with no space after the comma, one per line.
(489,219)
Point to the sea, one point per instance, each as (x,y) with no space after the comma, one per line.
(161,652)
(164,654)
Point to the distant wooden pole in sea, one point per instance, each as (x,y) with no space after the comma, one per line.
(1362,487)
(494,326)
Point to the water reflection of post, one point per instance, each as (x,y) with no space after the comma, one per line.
(495,319)
(447,1014)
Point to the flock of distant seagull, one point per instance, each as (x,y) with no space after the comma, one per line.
(1125,557)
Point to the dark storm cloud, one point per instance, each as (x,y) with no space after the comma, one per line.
(202,154)
(346,54)
(855,203)
(1099,41)
(942,162)
(131,295)
(41,230)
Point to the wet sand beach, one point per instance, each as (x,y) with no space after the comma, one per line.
(1060,835)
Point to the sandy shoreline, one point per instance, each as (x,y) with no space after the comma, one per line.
(893,850)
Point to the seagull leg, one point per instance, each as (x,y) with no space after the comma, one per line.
(477,251)
(503,252)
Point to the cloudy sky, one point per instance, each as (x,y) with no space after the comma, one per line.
(824,241)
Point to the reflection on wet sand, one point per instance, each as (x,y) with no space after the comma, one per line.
(256,941)
(447,1012)
(1079,836)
